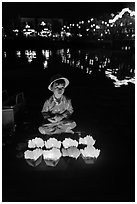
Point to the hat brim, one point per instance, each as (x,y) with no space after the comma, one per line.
(65,79)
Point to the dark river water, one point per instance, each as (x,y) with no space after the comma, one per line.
(116,65)
(102,90)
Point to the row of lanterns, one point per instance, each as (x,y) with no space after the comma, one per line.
(51,152)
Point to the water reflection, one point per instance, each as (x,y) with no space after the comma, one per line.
(46,54)
(119,67)
(30,55)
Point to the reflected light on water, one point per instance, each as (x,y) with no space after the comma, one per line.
(5,54)
(30,54)
(18,53)
(45,64)
(117,82)
(46,53)
(95,62)
(120,70)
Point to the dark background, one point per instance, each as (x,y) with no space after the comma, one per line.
(72,11)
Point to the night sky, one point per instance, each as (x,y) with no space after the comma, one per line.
(70,11)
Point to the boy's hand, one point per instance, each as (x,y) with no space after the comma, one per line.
(53,120)
(58,118)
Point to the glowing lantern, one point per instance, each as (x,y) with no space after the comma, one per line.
(52,142)
(68,142)
(37,142)
(89,154)
(71,152)
(31,144)
(52,157)
(88,140)
(33,158)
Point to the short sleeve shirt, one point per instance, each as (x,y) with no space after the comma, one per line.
(54,107)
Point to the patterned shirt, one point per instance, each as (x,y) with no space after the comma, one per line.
(52,107)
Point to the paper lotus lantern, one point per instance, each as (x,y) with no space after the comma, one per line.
(71,152)
(52,157)
(31,144)
(52,142)
(37,142)
(88,140)
(68,142)
(34,157)
(90,152)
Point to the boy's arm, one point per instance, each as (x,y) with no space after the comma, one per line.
(47,115)
(68,111)
(46,112)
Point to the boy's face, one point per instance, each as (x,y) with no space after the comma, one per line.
(58,90)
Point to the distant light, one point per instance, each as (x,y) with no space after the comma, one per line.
(97,27)
(126,48)
(79,35)
(43,23)
(111,25)
(27,26)
(88,21)
(68,34)
(112,15)
(16,30)
(18,53)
